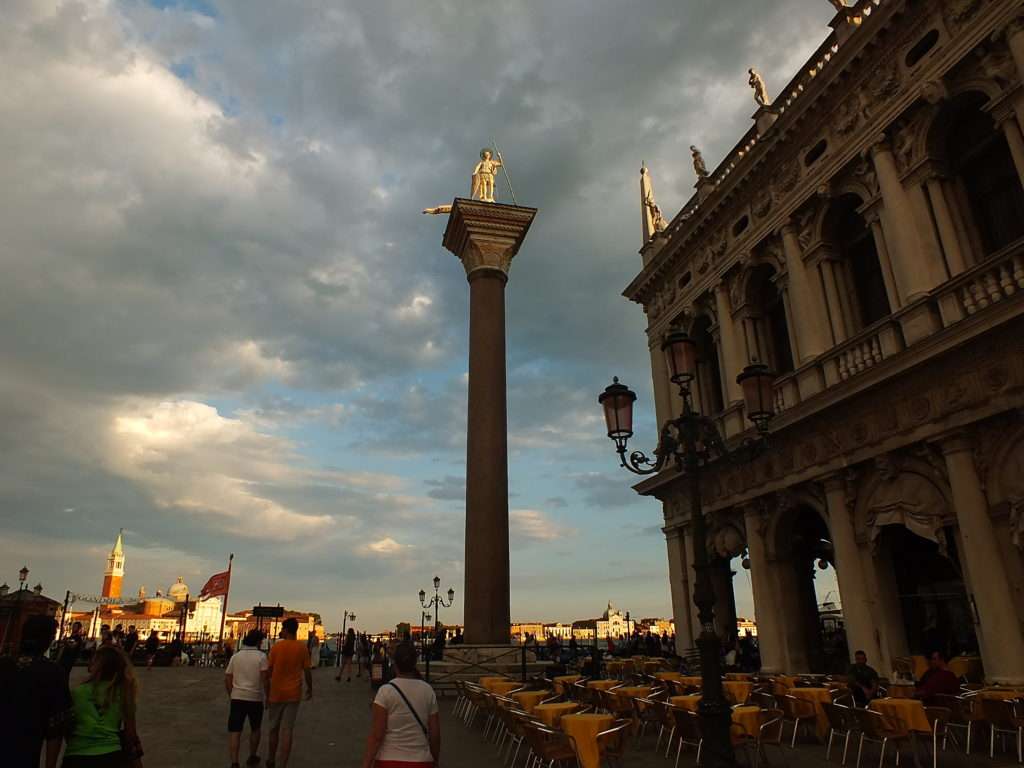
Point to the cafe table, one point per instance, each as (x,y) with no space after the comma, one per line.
(486,682)
(562,682)
(551,714)
(691,680)
(747,721)
(977,709)
(634,691)
(817,696)
(650,667)
(602,685)
(901,691)
(743,676)
(584,729)
(782,683)
(688,702)
(503,688)
(908,712)
(529,699)
(737,691)
(668,676)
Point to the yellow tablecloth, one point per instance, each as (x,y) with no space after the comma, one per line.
(584,730)
(748,720)
(486,682)
(737,691)
(613,668)
(909,712)
(686,702)
(634,691)
(691,680)
(920,666)
(999,693)
(550,714)
(898,691)
(562,682)
(816,696)
(744,676)
(668,676)
(530,699)
(601,685)
(650,667)
(782,683)
(966,666)
(503,688)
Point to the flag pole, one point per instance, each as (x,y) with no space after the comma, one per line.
(224,606)
(504,170)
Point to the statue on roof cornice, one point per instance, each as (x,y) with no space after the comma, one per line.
(840,5)
(760,88)
(699,166)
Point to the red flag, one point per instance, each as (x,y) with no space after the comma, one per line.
(217,585)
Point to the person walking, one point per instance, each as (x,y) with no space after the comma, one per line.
(348,650)
(406,727)
(288,663)
(104,733)
(131,640)
(152,646)
(35,705)
(71,649)
(245,680)
(362,655)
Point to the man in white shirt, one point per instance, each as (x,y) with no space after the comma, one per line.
(245,680)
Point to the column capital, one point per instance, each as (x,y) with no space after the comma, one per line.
(957,442)
(486,236)
(1015,27)
(880,144)
(789,228)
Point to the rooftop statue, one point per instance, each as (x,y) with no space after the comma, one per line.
(699,166)
(760,89)
(483,176)
(840,5)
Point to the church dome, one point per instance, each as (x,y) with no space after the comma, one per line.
(178,591)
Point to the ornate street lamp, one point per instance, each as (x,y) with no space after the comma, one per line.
(692,441)
(437,601)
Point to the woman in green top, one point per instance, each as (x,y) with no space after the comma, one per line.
(104,734)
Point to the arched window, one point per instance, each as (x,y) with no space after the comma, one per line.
(980,158)
(768,331)
(709,374)
(862,285)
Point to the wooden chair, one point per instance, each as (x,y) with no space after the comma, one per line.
(938,719)
(842,723)
(796,711)
(959,719)
(763,699)
(1003,718)
(549,747)
(769,733)
(878,729)
(645,712)
(688,733)
(611,743)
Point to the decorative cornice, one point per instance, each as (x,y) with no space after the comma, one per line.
(486,235)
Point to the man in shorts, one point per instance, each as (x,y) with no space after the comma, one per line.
(245,680)
(289,663)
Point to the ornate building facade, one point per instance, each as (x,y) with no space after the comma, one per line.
(865,239)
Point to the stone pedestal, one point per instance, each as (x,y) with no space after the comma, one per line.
(485,237)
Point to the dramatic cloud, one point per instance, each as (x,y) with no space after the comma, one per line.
(228,328)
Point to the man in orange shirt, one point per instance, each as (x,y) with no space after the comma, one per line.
(289,662)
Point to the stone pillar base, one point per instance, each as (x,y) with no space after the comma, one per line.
(919,321)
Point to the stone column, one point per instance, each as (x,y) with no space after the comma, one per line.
(681,589)
(766,606)
(734,365)
(811,319)
(853,589)
(1013,137)
(662,385)
(930,262)
(999,630)
(691,575)
(947,227)
(885,261)
(904,243)
(828,277)
(485,237)
(1015,40)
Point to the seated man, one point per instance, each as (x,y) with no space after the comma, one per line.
(862,680)
(937,680)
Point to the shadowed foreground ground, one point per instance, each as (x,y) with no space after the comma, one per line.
(183,724)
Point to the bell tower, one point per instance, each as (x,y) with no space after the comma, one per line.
(115,568)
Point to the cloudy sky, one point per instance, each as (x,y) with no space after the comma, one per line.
(227,327)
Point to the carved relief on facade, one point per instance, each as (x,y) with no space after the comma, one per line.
(787,179)
(726,539)
(849,114)
(909,139)
(908,492)
(762,204)
(999,457)
(959,12)
(886,80)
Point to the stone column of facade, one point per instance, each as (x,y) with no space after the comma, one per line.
(1015,40)
(734,365)
(947,227)
(1011,129)
(766,606)
(808,307)
(662,385)
(1002,641)
(912,276)
(681,589)
(885,259)
(485,237)
(931,260)
(840,331)
(853,589)
(695,628)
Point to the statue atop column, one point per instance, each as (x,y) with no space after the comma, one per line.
(483,176)
(699,166)
(760,89)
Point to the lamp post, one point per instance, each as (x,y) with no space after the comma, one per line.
(345,616)
(437,601)
(424,618)
(692,441)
